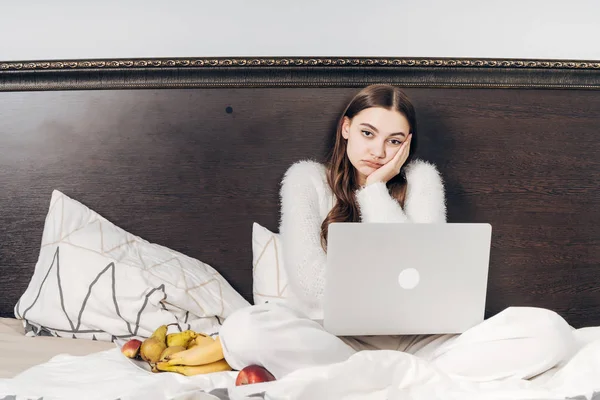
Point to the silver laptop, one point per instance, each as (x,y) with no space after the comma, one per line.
(395,278)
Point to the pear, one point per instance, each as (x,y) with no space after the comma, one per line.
(181,338)
(152,348)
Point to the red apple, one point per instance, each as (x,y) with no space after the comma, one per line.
(253,374)
(131,348)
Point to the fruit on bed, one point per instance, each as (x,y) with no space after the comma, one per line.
(198,355)
(188,352)
(152,348)
(181,338)
(253,374)
(189,370)
(131,348)
(170,350)
(200,340)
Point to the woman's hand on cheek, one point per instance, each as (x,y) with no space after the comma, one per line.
(392,167)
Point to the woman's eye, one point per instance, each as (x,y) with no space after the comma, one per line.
(367,133)
(395,142)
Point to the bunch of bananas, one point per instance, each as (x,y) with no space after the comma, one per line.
(188,352)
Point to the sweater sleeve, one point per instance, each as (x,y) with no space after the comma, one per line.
(425,198)
(377,205)
(303,257)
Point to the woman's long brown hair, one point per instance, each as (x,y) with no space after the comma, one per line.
(341,174)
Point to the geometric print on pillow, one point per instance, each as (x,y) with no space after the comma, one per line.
(95,280)
(270,282)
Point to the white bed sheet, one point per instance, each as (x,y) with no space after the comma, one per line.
(367,375)
(108,375)
(20,352)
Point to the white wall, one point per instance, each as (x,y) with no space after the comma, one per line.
(535,29)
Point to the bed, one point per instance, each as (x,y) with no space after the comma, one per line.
(189,154)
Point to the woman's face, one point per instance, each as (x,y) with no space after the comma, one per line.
(374,137)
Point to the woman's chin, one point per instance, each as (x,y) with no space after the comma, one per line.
(366,170)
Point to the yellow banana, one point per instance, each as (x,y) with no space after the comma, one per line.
(181,338)
(198,355)
(200,340)
(189,370)
(170,350)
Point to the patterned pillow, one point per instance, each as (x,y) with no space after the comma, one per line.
(269,277)
(96,281)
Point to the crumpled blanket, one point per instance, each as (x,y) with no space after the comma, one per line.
(372,375)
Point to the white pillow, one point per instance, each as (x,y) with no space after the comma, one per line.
(94,280)
(270,283)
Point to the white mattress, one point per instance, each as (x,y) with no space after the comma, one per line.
(20,352)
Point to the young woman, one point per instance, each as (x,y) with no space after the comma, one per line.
(370,177)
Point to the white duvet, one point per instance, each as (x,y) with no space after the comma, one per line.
(371,375)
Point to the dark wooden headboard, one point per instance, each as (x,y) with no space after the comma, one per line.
(188,153)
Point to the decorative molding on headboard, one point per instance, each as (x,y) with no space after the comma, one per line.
(298,72)
(302,61)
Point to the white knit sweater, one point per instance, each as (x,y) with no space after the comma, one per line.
(306,199)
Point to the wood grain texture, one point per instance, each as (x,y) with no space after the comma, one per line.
(176,168)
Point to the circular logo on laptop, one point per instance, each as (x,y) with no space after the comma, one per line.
(408,278)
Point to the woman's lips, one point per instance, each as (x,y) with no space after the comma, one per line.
(372,164)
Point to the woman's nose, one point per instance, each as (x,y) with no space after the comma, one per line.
(378,150)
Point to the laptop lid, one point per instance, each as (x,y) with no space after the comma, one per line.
(404,278)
